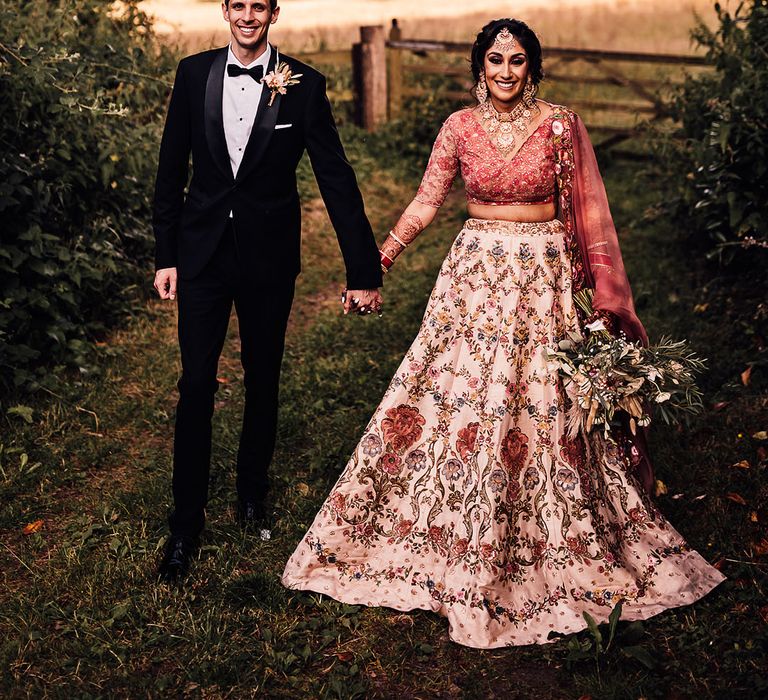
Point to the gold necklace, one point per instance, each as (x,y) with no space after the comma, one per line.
(502,127)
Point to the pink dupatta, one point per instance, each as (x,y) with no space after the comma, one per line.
(595,253)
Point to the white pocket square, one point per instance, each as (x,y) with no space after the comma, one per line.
(283,126)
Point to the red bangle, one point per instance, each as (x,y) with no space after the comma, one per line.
(386,260)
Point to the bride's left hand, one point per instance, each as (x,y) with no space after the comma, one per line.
(363,301)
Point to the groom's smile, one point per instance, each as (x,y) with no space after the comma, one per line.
(249,22)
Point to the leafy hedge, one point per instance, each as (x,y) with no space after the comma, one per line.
(83,90)
(718,170)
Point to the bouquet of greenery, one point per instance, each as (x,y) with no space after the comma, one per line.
(604,374)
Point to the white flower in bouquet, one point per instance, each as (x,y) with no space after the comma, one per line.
(604,374)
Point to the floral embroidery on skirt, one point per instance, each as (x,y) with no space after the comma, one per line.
(464,495)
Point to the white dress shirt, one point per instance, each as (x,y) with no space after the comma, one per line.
(240,102)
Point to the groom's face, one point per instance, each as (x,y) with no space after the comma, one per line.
(249,21)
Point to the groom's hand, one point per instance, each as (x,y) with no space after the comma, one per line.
(363,301)
(165,282)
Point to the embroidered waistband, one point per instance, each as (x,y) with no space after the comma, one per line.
(519,203)
(517,228)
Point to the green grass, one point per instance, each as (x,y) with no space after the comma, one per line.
(81,614)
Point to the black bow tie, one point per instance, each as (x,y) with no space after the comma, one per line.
(257,72)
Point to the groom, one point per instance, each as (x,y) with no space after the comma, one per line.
(234,237)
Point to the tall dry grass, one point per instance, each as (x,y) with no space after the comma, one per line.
(658,26)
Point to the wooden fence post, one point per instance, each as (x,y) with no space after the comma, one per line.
(395,73)
(371,77)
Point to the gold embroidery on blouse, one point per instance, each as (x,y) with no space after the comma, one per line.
(462,144)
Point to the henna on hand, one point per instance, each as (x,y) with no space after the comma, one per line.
(407,228)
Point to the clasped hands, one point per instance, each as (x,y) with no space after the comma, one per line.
(362,301)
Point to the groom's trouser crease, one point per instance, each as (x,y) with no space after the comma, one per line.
(205,304)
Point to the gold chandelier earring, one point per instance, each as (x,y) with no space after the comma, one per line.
(529,93)
(481,89)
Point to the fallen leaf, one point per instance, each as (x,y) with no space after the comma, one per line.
(35,526)
(719,564)
(23,412)
(720,405)
(403,620)
(700,308)
(761,547)
(746,375)
(345,656)
(736,498)
(760,435)
(753,517)
(661,488)
(741,465)
(302,488)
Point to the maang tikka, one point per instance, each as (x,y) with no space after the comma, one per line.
(505,40)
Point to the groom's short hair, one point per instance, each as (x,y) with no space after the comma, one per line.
(272,3)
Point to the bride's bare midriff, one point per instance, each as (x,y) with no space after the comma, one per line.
(526,213)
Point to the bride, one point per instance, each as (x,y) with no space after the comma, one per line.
(464,495)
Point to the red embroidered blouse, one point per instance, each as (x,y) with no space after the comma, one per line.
(527,177)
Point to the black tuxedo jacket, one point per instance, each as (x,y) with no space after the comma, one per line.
(263,196)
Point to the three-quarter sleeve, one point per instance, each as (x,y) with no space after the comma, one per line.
(441,170)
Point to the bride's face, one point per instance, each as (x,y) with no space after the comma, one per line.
(505,73)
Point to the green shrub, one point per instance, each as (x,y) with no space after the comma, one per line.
(716,161)
(404,144)
(84,88)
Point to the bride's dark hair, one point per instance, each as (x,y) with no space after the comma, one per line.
(524,34)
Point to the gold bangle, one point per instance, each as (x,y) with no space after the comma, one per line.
(392,233)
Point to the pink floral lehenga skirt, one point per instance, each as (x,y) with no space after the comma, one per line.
(465,496)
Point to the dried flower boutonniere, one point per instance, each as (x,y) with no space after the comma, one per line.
(279,79)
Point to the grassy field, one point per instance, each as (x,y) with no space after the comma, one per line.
(85,490)
(309,25)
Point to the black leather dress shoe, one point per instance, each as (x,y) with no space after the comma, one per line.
(176,559)
(254,516)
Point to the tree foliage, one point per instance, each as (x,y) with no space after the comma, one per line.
(716,163)
(84,85)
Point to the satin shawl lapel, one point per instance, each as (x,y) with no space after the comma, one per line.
(263,125)
(214,120)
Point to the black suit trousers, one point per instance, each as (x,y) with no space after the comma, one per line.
(205,304)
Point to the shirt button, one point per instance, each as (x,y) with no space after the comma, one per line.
(241,119)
